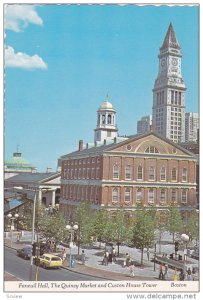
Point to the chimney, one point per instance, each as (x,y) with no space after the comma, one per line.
(80,145)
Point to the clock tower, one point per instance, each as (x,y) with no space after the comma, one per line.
(169,91)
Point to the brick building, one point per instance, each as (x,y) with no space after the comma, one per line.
(143,168)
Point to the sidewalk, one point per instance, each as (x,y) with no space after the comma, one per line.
(114,271)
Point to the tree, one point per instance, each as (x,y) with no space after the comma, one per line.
(121,231)
(143,231)
(174,221)
(50,226)
(101,224)
(84,218)
(192,226)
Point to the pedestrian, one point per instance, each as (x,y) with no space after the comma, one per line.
(181,275)
(18,237)
(64,254)
(132,270)
(166,271)
(148,254)
(127,259)
(193,274)
(189,274)
(161,275)
(83,257)
(114,254)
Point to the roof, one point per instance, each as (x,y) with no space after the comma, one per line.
(33,177)
(12,204)
(106,106)
(18,162)
(170,39)
(113,145)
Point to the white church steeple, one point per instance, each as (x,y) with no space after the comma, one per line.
(106,122)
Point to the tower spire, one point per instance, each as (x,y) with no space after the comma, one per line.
(170,40)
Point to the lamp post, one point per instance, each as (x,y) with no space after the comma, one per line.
(71,229)
(185,239)
(12,219)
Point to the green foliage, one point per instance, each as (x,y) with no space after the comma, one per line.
(192,227)
(143,230)
(84,216)
(174,221)
(51,226)
(101,224)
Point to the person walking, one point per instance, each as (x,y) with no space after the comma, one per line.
(114,255)
(83,257)
(193,274)
(189,274)
(166,271)
(132,270)
(148,254)
(181,275)
(127,259)
(64,254)
(161,275)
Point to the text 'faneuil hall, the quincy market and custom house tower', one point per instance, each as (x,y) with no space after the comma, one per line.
(152,168)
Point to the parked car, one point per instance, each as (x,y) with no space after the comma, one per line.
(25,252)
(48,260)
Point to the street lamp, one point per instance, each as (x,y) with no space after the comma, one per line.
(71,229)
(185,239)
(12,219)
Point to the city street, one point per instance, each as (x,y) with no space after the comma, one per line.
(20,268)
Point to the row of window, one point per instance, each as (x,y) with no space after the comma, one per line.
(78,192)
(151,195)
(151,173)
(82,161)
(85,173)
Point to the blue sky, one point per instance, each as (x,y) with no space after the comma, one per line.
(71,56)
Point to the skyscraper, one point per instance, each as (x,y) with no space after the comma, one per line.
(191,126)
(144,124)
(169,91)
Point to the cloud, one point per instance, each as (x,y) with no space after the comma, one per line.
(22,60)
(17,17)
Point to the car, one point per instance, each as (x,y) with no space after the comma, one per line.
(48,260)
(25,252)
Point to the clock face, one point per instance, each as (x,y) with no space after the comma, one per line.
(163,62)
(174,61)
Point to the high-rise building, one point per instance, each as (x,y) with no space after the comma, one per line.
(169,91)
(191,126)
(144,124)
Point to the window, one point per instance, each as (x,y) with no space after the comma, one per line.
(128,172)
(184,174)
(115,194)
(92,173)
(88,173)
(83,171)
(184,196)
(103,119)
(139,195)
(174,195)
(97,173)
(162,195)
(115,172)
(174,174)
(151,195)
(139,173)
(127,194)
(109,119)
(151,173)
(163,174)
(151,149)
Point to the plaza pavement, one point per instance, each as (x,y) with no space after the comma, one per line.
(114,271)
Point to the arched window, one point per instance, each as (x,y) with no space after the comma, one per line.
(174,174)
(151,149)
(163,174)
(151,195)
(128,172)
(127,194)
(139,173)
(115,195)
(109,119)
(139,194)
(151,173)
(115,172)
(103,119)
(184,174)
(162,195)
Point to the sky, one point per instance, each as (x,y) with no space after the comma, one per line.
(62,60)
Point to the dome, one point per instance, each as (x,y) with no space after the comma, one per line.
(106,105)
(17,162)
